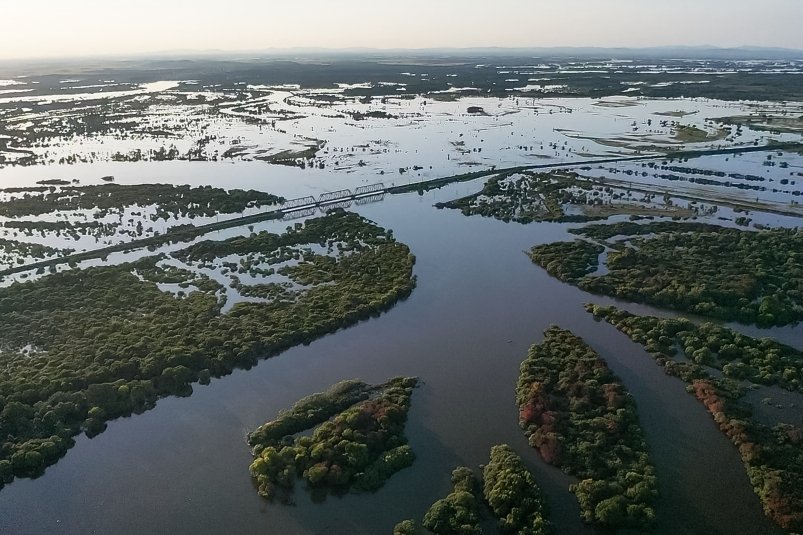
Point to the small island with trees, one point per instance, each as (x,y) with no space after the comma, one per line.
(580,417)
(357,442)
(558,197)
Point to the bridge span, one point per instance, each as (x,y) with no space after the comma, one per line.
(341,198)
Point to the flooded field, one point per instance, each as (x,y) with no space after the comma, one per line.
(74,149)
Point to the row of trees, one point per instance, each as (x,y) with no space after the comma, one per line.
(170,200)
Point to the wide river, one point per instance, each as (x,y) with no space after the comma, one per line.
(480,303)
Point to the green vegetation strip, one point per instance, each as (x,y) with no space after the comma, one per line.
(106,342)
(311,411)
(579,417)
(170,200)
(725,273)
(629,228)
(772,456)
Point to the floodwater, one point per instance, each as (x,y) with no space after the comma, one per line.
(480,303)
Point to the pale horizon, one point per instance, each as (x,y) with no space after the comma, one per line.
(59,29)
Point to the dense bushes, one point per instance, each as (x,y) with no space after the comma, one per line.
(105,342)
(513,494)
(751,277)
(579,417)
(459,512)
(629,228)
(773,457)
(361,447)
(740,357)
(567,261)
(405,527)
(509,490)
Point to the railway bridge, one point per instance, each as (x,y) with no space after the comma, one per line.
(341,198)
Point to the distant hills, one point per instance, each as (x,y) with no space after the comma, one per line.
(307,53)
(666,52)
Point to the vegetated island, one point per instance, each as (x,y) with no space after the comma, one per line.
(86,210)
(724,273)
(14,252)
(580,417)
(507,488)
(772,456)
(556,196)
(170,200)
(81,347)
(358,443)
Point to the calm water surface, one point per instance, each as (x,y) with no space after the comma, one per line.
(480,303)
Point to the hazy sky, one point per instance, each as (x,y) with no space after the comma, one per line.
(39,28)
